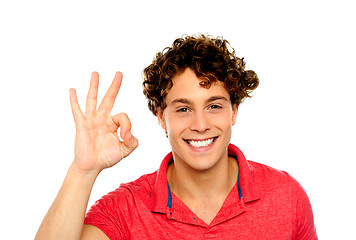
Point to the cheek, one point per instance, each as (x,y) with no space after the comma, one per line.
(174,125)
(225,120)
(225,125)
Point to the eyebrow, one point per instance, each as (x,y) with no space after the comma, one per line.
(214,98)
(181,100)
(187,101)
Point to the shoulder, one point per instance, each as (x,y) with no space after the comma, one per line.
(113,212)
(138,189)
(283,195)
(274,180)
(269,174)
(260,177)
(142,187)
(278,187)
(122,200)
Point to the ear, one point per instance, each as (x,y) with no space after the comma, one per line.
(161,119)
(235,109)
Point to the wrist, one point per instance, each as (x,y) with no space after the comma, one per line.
(85,174)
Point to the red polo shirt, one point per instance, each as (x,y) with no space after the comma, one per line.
(264,204)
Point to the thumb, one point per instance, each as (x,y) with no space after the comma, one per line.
(130,143)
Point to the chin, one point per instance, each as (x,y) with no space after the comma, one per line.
(202,161)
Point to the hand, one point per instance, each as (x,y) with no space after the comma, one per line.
(97,144)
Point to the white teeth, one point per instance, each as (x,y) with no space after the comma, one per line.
(204,143)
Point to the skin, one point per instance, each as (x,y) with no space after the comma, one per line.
(201,177)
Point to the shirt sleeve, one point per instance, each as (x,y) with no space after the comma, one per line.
(110,214)
(305,229)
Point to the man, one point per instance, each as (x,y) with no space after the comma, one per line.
(204,188)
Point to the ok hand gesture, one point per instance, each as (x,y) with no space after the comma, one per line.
(97,144)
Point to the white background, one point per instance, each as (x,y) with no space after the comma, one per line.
(301,118)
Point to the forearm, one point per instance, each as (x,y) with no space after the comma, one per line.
(64,219)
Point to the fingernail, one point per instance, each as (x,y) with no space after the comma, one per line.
(130,137)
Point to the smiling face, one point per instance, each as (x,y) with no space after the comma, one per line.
(198,121)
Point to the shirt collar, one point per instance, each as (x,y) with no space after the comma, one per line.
(160,192)
(250,190)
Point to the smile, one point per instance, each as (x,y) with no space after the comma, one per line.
(201,143)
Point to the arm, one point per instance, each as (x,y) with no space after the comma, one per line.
(97,146)
(305,228)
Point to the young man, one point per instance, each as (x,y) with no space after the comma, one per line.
(204,188)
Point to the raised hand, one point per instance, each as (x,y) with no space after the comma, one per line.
(97,144)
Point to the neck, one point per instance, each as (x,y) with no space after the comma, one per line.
(195,185)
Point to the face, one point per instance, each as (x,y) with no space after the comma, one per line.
(198,121)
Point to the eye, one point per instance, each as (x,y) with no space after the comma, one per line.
(215,106)
(182,109)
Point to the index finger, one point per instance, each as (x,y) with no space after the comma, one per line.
(77,112)
(109,99)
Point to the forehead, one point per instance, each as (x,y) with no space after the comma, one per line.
(186,86)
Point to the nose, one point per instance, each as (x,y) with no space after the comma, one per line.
(200,122)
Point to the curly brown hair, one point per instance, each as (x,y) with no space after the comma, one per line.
(210,58)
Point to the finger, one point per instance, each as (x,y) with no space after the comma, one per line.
(122,120)
(130,143)
(109,99)
(77,112)
(92,93)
